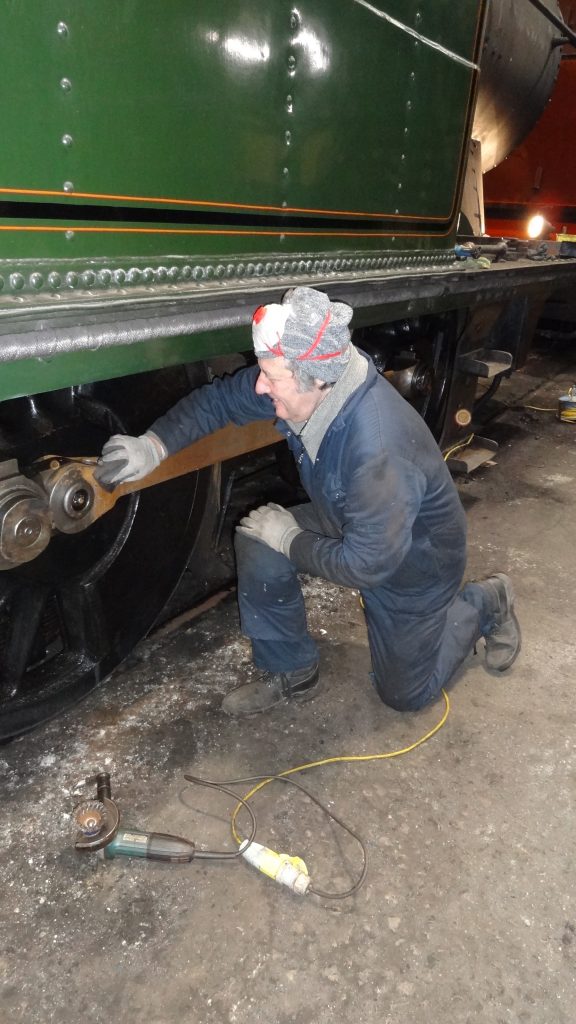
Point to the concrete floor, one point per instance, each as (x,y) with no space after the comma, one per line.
(468,912)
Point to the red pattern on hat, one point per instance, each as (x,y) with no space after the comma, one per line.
(277,349)
(317,340)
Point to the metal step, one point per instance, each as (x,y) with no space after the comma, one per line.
(477,453)
(484,362)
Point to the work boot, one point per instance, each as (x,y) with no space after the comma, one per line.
(504,640)
(270,689)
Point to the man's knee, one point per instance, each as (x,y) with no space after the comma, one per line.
(258,560)
(265,577)
(403,698)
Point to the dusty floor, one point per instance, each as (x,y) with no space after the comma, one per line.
(468,912)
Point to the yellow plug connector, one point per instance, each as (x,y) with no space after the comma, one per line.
(289,871)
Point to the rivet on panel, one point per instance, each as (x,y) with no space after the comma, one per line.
(230,270)
(119,276)
(259,268)
(71,279)
(68,235)
(287,138)
(250,270)
(291,64)
(186,272)
(133,276)
(68,186)
(161,274)
(16,281)
(289,104)
(209,272)
(173,274)
(220,270)
(240,270)
(36,281)
(65,84)
(285,171)
(67,140)
(54,279)
(62,29)
(148,275)
(88,279)
(198,273)
(295,21)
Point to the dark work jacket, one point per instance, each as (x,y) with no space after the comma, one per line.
(389,513)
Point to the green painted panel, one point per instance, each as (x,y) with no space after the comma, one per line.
(181,148)
(328,106)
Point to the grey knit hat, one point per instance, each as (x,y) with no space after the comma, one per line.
(306,328)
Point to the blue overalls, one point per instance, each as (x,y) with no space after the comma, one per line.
(384,517)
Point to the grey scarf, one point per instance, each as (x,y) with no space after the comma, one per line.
(312,431)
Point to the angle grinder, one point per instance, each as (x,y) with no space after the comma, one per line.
(98,823)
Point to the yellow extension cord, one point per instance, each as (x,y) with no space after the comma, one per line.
(343,759)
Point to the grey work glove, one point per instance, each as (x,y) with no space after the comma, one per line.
(128,458)
(272,525)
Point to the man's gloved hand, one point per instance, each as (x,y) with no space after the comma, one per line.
(128,458)
(272,525)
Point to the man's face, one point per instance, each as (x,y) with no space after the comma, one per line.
(279,382)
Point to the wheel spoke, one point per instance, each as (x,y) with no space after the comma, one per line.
(83,620)
(27,605)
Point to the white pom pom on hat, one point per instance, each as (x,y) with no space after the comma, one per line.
(306,328)
(268,325)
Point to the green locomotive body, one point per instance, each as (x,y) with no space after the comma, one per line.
(159,156)
(164,170)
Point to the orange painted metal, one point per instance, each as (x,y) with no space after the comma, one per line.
(224,444)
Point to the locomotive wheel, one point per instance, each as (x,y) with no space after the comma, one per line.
(70,616)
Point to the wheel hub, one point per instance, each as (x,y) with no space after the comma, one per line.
(25,527)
